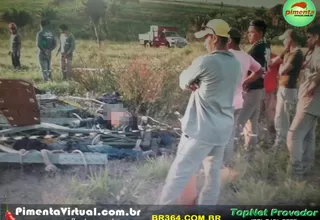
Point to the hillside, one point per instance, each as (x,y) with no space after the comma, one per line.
(124,21)
(132,18)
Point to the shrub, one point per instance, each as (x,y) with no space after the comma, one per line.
(20,17)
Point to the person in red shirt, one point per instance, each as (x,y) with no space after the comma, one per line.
(270,87)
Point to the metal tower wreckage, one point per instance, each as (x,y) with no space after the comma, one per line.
(44,128)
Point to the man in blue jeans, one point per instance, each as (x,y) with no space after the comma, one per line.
(208,120)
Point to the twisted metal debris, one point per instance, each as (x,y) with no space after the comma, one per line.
(71,130)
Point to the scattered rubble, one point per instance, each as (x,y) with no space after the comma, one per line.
(39,127)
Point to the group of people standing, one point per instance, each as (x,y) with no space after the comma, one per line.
(228,88)
(46,42)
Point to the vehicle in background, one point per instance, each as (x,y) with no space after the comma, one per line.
(162,36)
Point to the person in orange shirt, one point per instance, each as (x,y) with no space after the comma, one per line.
(270,100)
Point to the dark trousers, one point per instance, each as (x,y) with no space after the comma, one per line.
(15,56)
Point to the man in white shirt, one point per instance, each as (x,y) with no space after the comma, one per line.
(208,121)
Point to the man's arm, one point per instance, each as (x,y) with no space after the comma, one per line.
(314,85)
(18,39)
(38,42)
(317,79)
(256,70)
(275,61)
(253,77)
(73,45)
(59,49)
(54,45)
(278,59)
(10,45)
(189,76)
(285,68)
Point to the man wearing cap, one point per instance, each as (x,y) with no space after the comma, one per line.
(302,132)
(46,43)
(260,51)
(247,64)
(15,46)
(208,120)
(288,81)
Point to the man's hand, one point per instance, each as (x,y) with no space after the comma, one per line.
(311,90)
(274,61)
(194,86)
(245,86)
(65,56)
(18,53)
(46,52)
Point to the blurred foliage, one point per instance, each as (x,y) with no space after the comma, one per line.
(123,20)
(20,17)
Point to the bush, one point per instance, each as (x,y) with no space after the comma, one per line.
(150,84)
(20,18)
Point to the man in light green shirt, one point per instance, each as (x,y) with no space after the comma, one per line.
(208,120)
(301,137)
(67,46)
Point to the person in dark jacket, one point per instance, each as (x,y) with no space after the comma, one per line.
(15,46)
(67,46)
(46,43)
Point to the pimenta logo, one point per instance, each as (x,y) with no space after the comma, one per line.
(299,13)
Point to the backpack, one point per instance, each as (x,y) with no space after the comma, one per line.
(47,40)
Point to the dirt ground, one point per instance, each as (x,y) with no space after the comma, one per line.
(30,184)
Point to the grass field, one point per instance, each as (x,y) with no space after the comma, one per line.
(144,76)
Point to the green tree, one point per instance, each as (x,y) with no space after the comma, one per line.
(49,13)
(96,10)
(20,17)
(196,23)
(99,11)
(241,20)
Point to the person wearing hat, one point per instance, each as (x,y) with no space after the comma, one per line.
(46,43)
(253,95)
(208,120)
(301,138)
(288,83)
(15,46)
(247,64)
